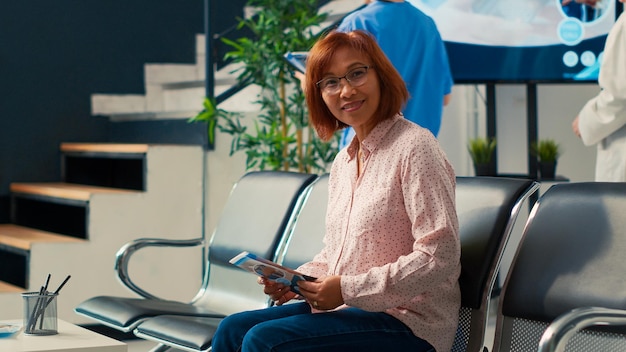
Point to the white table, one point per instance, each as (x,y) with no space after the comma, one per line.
(71,338)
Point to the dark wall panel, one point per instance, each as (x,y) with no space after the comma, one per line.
(55,53)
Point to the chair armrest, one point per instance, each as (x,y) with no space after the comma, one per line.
(558,333)
(124,254)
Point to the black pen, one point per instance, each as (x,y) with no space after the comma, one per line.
(45,292)
(45,287)
(62,284)
(36,311)
(55,293)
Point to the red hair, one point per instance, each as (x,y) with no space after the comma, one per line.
(393,92)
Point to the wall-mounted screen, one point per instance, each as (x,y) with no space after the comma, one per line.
(522,40)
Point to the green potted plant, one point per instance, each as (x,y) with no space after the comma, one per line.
(481,150)
(547,152)
(281,138)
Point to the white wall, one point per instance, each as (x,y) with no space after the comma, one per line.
(557,106)
(463,118)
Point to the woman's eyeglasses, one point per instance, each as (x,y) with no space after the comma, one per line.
(355,77)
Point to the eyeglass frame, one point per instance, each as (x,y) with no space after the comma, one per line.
(366,67)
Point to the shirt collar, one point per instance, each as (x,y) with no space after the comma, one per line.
(373,139)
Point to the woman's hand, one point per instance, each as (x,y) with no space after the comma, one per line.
(279,293)
(323,293)
(302,78)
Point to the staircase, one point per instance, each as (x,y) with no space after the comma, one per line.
(177,91)
(109,195)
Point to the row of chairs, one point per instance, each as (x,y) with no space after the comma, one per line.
(259,216)
(572,240)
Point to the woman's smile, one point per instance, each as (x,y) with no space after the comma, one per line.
(352,106)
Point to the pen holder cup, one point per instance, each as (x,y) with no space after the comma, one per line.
(40,313)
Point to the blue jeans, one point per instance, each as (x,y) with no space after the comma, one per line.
(293,327)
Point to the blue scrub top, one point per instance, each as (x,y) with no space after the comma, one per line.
(412,43)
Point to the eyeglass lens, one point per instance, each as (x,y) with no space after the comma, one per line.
(355,77)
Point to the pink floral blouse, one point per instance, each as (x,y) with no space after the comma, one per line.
(392,233)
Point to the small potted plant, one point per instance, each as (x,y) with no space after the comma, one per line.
(547,152)
(481,150)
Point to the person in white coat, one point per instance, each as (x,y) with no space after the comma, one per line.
(602,121)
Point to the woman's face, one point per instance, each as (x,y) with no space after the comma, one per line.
(354,106)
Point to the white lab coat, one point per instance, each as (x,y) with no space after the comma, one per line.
(602,121)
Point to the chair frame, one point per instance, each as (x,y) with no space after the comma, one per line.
(489,250)
(561,330)
(292,200)
(299,246)
(542,309)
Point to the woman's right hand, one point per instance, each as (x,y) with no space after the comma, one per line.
(279,293)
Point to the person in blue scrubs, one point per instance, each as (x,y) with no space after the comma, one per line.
(412,42)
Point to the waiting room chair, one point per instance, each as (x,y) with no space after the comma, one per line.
(566,289)
(304,241)
(487,208)
(260,209)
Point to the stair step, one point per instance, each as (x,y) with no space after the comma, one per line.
(15,247)
(56,207)
(109,165)
(6,287)
(182,99)
(176,91)
(117,148)
(23,237)
(169,73)
(61,190)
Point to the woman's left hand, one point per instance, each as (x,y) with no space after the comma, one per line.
(323,293)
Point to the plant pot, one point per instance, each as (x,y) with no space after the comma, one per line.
(485,169)
(547,169)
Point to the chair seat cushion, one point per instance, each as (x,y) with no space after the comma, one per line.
(191,332)
(126,313)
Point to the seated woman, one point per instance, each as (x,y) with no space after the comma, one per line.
(388,273)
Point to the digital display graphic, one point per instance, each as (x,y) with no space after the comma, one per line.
(522,40)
